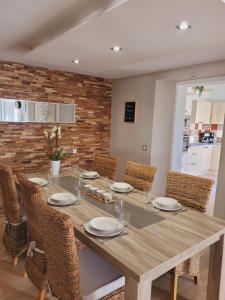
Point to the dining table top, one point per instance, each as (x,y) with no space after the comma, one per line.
(146,252)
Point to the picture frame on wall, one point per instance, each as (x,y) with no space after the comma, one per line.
(129,114)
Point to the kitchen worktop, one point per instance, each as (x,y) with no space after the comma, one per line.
(203,144)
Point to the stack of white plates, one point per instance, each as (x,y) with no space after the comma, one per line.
(89,175)
(39,181)
(62,199)
(165,203)
(121,187)
(104,227)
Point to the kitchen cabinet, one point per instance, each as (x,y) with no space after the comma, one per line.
(198,160)
(205,158)
(188,107)
(203,112)
(218,112)
(215,158)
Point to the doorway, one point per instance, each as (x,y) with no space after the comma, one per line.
(198,130)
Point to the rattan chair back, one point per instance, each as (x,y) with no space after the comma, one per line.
(35,265)
(106,165)
(60,250)
(191,191)
(9,194)
(139,176)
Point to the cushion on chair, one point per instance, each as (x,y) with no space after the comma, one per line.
(98,277)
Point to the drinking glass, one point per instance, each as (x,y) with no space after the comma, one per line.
(148,202)
(124,217)
(106,183)
(51,177)
(78,184)
(119,205)
(79,196)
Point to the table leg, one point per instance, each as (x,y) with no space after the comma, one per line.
(216,276)
(138,290)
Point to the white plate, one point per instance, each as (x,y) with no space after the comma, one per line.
(39,181)
(121,187)
(62,199)
(155,204)
(92,231)
(167,202)
(105,224)
(89,175)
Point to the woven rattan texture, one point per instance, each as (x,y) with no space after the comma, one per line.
(36,265)
(139,176)
(15,236)
(106,165)
(61,253)
(193,192)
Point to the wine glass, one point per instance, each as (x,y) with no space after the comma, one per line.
(124,217)
(148,196)
(119,205)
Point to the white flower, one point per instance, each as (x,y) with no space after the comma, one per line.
(46,133)
(54,129)
(52,135)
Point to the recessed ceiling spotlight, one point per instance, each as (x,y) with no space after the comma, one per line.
(184,25)
(116,48)
(223,1)
(76,61)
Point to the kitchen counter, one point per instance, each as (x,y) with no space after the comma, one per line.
(203,145)
(200,145)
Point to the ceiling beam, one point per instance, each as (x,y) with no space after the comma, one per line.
(79,13)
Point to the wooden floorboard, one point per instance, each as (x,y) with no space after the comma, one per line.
(13,286)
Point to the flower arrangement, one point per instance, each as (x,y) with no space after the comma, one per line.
(199,90)
(55,152)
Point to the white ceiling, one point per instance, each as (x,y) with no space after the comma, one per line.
(53,32)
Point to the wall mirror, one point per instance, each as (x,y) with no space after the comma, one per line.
(14,110)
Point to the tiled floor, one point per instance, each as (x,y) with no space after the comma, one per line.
(14,287)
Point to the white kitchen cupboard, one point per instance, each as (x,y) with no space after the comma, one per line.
(188,107)
(222,113)
(215,117)
(218,112)
(203,112)
(197,160)
(215,158)
(205,158)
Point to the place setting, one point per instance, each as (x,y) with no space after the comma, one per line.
(89,175)
(38,180)
(121,187)
(63,199)
(167,204)
(104,228)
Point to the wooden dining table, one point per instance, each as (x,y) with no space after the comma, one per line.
(153,243)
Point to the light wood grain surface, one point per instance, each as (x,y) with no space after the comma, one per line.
(145,254)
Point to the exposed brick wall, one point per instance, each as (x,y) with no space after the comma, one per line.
(23,144)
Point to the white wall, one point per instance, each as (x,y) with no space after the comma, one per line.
(127,138)
(178,126)
(219,209)
(165,95)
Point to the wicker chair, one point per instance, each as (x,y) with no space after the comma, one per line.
(35,264)
(106,165)
(15,232)
(190,191)
(73,276)
(139,176)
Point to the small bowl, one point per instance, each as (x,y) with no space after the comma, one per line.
(100,192)
(107,196)
(93,189)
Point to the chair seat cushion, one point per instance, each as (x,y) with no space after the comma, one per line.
(98,277)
